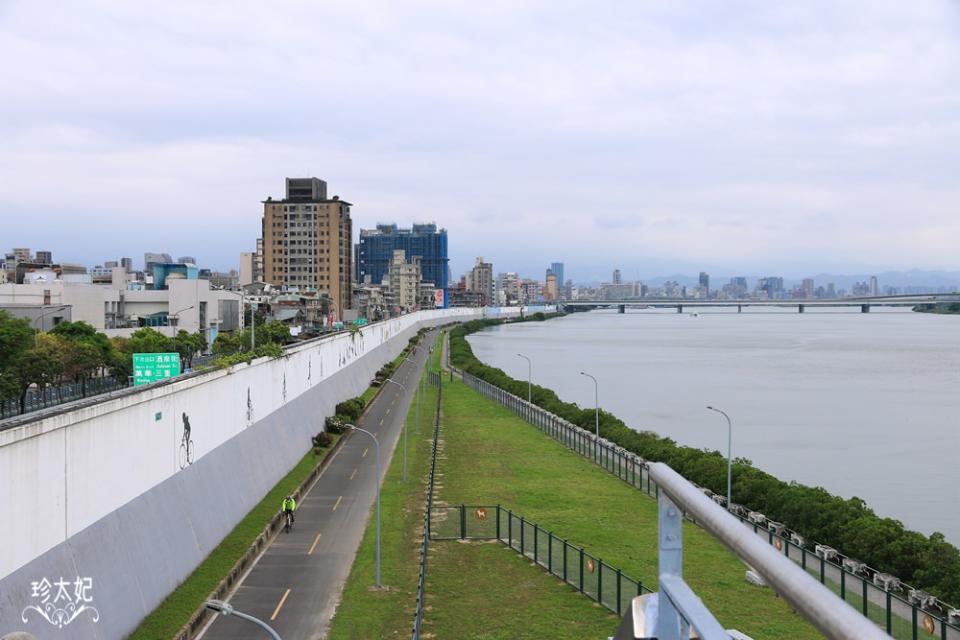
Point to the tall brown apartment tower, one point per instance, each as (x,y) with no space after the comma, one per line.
(307,241)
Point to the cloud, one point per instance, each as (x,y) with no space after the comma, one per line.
(630,133)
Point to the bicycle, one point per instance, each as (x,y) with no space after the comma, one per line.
(288,521)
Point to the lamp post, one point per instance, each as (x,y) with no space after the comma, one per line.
(596,402)
(391,380)
(377,443)
(177,316)
(729,458)
(226,609)
(40,318)
(529,376)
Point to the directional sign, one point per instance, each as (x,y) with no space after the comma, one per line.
(150,367)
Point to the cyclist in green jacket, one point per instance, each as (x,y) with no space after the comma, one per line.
(289,506)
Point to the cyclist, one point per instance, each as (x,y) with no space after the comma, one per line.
(289,506)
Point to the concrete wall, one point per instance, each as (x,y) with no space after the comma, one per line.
(98,492)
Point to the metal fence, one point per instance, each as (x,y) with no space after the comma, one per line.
(904,613)
(601,582)
(51,396)
(432,379)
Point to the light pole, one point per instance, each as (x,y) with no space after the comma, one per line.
(596,402)
(377,443)
(391,380)
(729,458)
(177,316)
(40,318)
(529,376)
(226,609)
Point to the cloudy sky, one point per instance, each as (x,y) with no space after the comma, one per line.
(657,136)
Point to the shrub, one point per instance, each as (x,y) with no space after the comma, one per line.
(322,439)
(352,408)
(337,423)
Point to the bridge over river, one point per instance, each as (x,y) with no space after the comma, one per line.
(801,304)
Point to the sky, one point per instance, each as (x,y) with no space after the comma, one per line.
(655,136)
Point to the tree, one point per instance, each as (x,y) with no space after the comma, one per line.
(148,340)
(16,336)
(227,344)
(189,344)
(35,366)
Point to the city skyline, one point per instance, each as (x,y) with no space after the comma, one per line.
(780,139)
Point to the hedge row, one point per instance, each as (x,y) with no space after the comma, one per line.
(928,563)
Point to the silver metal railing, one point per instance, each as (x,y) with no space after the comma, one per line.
(828,613)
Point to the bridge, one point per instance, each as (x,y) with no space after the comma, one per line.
(801,304)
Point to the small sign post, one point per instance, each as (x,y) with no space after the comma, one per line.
(150,367)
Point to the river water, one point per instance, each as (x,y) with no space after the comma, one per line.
(863,405)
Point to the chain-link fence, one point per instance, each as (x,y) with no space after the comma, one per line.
(588,574)
(904,613)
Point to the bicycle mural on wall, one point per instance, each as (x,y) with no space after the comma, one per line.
(186,444)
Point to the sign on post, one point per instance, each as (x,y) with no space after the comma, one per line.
(150,367)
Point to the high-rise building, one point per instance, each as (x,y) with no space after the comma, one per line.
(705,282)
(150,259)
(246,268)
(22,254)
(127,263)
(44,257)
(404,278)
(258,262)
(617,279)
(508,288)
(550,292)
(807,287)
(557,268)
(424,241)
(874,286)
(187,260)
(480,280)
(307,242)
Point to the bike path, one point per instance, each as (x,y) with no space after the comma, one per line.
(295,584)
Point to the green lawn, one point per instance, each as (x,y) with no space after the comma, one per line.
(176,610)
(493,457)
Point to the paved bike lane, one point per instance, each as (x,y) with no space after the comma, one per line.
(296,582)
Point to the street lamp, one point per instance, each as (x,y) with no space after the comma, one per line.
(529,376)
(391,380)
(226,609)
(377,443)
(596,402)
(177,316)
(40,318)
(729,458)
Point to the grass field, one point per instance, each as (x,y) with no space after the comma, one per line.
(493,457)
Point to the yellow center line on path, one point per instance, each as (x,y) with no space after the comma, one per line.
(365,452)
(280,604)
(314,545)
(353,474)
(338,503)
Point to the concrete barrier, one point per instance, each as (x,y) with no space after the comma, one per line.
(96,497)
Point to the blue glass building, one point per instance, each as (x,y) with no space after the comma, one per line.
(376,248)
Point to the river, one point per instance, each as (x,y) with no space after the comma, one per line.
(863,405)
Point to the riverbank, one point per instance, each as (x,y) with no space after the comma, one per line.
(849,525)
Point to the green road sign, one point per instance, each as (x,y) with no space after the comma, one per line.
(150,367)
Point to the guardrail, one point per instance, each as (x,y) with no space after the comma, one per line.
(902,611)
(54,395)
